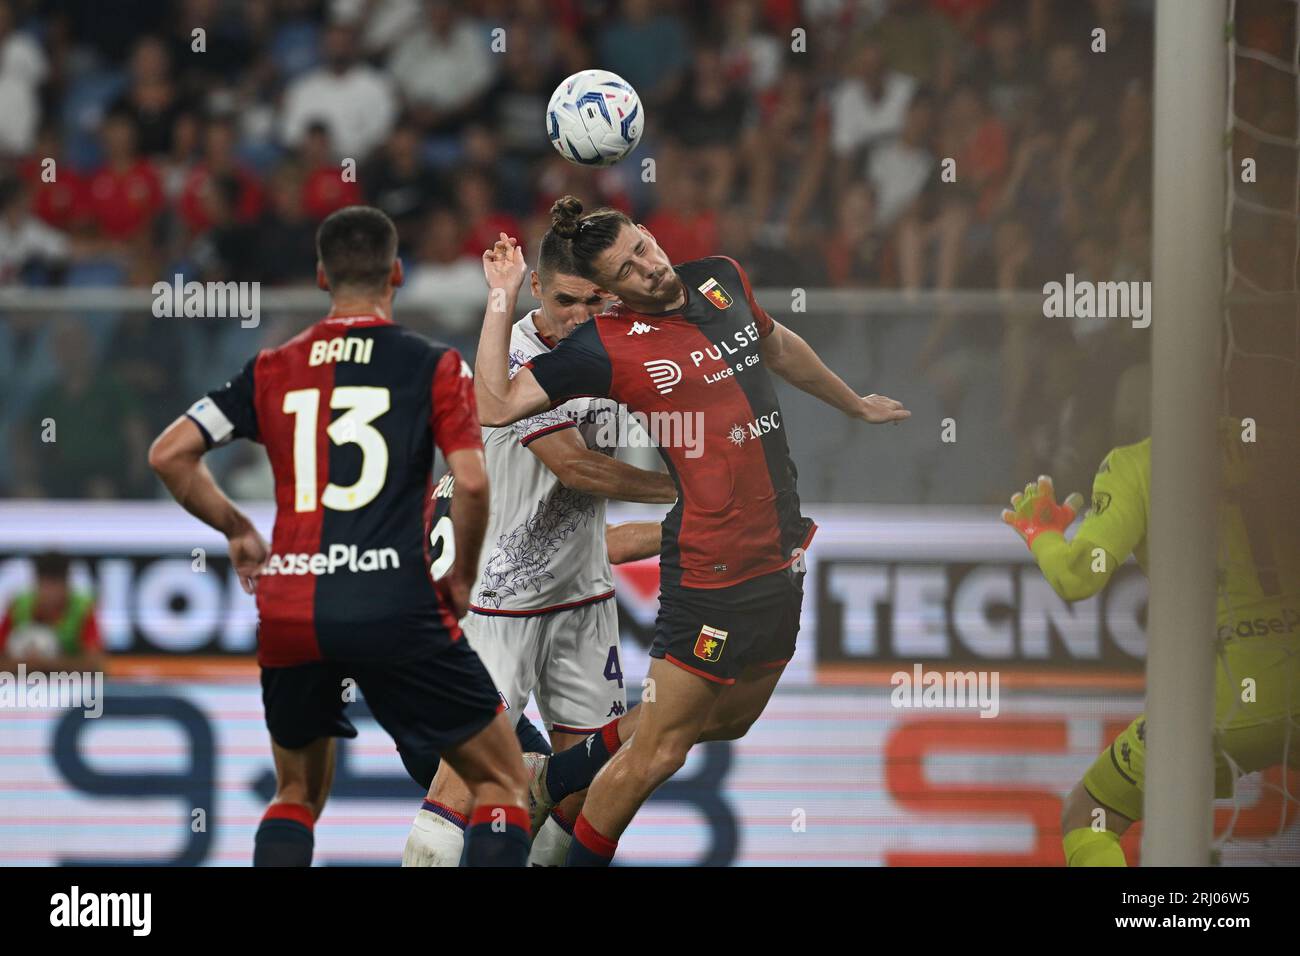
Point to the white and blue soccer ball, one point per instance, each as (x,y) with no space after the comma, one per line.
(594,118)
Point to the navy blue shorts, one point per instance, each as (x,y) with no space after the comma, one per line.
(426,703)
(718,633)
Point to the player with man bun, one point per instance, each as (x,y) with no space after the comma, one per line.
(541,612)
(689,338)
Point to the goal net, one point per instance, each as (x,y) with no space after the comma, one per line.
(1257,715)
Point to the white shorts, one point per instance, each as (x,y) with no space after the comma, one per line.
(568,659)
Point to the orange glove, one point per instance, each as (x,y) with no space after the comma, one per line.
(1035,510)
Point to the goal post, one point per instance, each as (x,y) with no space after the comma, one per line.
(1187,287)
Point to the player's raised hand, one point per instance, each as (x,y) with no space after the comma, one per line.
(1035,510)
(878,409)
(248,553)
(504,265)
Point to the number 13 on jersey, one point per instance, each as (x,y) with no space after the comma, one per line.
(363,405)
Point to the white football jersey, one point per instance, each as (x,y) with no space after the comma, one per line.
(545,544)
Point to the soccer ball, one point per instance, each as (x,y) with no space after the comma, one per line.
(594,118)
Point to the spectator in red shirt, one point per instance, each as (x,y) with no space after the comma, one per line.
(219,160)
(324,188)
(563,178)
(977,139)
(62,201)
(852,252)
(483,221)
(125,194)
(967,14)
(51,626)
(684,227)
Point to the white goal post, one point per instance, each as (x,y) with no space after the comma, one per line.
(1187,286)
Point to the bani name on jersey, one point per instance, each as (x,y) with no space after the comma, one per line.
(349,412)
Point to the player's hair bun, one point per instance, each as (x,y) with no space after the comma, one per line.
(565,217)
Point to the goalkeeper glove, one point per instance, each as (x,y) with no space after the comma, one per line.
(1035,510)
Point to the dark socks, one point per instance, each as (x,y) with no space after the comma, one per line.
(589,848)
(530,738)
(497,836)
(285,836)
(572,770)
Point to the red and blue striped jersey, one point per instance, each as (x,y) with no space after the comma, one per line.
(350,412)
(695,377)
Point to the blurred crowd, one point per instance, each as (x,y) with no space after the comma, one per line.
(803,136)
(806,138)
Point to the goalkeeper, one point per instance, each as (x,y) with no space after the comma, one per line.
(1258,622)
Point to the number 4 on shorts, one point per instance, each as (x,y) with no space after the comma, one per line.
(612,669)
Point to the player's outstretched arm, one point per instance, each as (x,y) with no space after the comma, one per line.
(176,456)
(789,356)
(581,469)
(469,517)
(632,540)
(1072,568)
(500,398)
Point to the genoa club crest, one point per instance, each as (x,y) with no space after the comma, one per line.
(708,646)
(715,293)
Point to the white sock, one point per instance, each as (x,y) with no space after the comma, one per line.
(433,841)
(552,844)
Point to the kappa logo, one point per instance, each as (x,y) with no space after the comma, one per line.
(1100,502)
(709,645)
(640,328)
(715,293)
(665,373)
